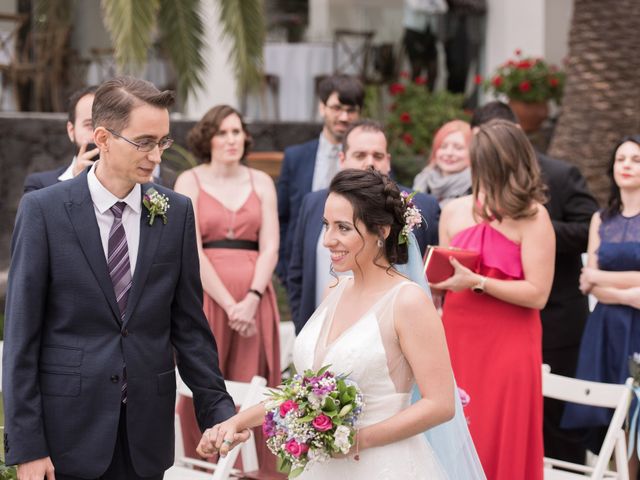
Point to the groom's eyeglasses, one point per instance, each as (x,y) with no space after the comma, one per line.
(146,145)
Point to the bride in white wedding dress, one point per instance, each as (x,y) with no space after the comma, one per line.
(382,331)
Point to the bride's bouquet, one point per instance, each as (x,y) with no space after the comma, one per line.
(311,417)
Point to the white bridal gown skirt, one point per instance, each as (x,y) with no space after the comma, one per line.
(410,459)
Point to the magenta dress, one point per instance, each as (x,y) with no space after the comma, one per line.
(496,354)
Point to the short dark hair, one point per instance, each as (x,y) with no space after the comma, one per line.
(614,202)
(116,98)
(349,89)
(376,202)
(492,111)
(366,125)
(75,97)
(199,137)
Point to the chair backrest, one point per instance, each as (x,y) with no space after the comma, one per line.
(10,25)
(244,395)
(616,397)
(351,51)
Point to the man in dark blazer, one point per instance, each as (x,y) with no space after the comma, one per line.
(311,166)
(570,207)
(104,299)
(80,132)
(364,146)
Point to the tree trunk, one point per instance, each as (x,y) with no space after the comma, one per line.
(601,100)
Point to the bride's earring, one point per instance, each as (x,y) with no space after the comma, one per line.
(380,243)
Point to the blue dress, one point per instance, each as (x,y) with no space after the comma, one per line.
(612,332)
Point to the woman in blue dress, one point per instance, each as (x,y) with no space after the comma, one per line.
(612,276)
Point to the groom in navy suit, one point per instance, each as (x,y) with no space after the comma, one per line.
(311,166)
(104,299)
(364,146)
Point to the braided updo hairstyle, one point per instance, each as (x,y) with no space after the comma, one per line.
(376,202)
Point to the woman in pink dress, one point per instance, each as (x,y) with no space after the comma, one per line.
(237,231)
(492,316)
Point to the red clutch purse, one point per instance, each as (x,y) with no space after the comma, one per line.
(437,267)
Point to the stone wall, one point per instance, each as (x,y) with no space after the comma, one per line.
(32,142)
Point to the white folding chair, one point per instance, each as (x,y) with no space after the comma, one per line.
(244,395)
(607,395)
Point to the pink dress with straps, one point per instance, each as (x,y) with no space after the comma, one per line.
(496,354)
(240,357)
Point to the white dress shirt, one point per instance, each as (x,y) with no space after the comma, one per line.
(326,165)
(68,173)
(103,200)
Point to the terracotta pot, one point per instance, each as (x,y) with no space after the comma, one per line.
(530,115)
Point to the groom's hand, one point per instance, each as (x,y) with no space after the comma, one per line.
(221,438)
(36,470)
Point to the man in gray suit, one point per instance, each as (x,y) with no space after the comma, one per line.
(104,299)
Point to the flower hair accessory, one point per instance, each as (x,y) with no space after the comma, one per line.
(412,217)
(157,204)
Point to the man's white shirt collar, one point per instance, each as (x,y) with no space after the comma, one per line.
(103,199)
(68,173)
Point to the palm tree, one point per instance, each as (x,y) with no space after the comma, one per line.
(601,100)
(133,24)
(177,26)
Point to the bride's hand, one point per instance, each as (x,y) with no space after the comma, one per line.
(221,438)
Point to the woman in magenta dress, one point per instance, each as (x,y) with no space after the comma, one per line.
(491,317)
(237,231)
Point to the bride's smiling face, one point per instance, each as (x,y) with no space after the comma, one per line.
(350,245)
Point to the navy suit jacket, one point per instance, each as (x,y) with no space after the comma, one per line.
(38,180)
(294,182)
(65,345)
(301,280)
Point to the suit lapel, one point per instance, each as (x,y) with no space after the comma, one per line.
(149,241)
(83,218)
(309,167)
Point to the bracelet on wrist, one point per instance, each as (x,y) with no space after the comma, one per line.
(356,457)
(256,292)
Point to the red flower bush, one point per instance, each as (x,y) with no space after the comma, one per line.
(527,79)
(405,117)
(396,88)
(407,138)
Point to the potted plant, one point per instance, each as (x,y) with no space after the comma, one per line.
(528,83)
(412,118)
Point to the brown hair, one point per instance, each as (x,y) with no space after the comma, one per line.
(116,98)
(505,168)
(366,125)
(199,137)
(75,97)
(376,202)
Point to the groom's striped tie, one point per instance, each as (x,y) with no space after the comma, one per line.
(119,271)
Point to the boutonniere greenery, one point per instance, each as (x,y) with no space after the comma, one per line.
(157,204)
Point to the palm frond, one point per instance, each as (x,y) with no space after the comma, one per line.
(182,31)
(131,24)
(243,22)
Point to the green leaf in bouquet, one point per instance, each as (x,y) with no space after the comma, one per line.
(295,472)
(306,419)
(344,410)
(283,465)
(352,391)
(331,414)
(322,370)
(329,405)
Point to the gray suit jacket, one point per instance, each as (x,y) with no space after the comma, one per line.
(65,345)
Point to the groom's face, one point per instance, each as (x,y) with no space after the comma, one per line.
(124,160)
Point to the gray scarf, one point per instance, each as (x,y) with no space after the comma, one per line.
(443,187)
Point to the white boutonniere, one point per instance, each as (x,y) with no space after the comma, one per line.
(157,204)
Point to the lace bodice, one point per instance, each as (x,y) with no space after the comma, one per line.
(619,243)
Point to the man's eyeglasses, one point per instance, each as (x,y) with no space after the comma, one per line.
(146,145)
(348,109)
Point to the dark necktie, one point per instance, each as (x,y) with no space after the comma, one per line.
(119,270)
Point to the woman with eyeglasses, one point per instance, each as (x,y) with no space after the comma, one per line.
(237,231)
